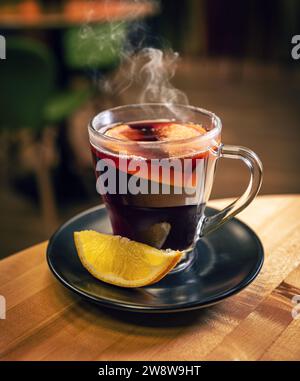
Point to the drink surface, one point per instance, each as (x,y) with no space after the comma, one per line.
(155,131)
(161,220)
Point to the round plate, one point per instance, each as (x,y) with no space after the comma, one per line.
(226,261)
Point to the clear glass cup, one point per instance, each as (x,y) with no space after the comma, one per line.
(167,212)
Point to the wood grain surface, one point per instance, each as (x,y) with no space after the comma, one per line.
(44,321)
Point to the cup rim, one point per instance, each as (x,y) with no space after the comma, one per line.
(214,132)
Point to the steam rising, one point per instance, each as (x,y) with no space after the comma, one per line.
(151,70)
(147,68)
(157,73)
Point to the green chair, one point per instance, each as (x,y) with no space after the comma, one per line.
(96,46)
(29,100)
(27,82)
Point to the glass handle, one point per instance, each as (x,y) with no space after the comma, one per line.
(256,175)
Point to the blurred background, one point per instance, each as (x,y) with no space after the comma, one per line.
(235,60)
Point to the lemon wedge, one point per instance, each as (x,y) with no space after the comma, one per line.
(122,262)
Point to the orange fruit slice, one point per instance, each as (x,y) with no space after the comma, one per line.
(176,131)
(122,262)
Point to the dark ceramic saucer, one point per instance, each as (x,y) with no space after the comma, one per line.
(226,262)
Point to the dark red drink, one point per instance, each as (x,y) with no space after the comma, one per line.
(165,220)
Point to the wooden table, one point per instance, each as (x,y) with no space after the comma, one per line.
(74,13)
(46,322)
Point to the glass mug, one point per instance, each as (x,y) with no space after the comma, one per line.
(167,212)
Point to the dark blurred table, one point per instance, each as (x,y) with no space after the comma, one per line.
(31,16)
